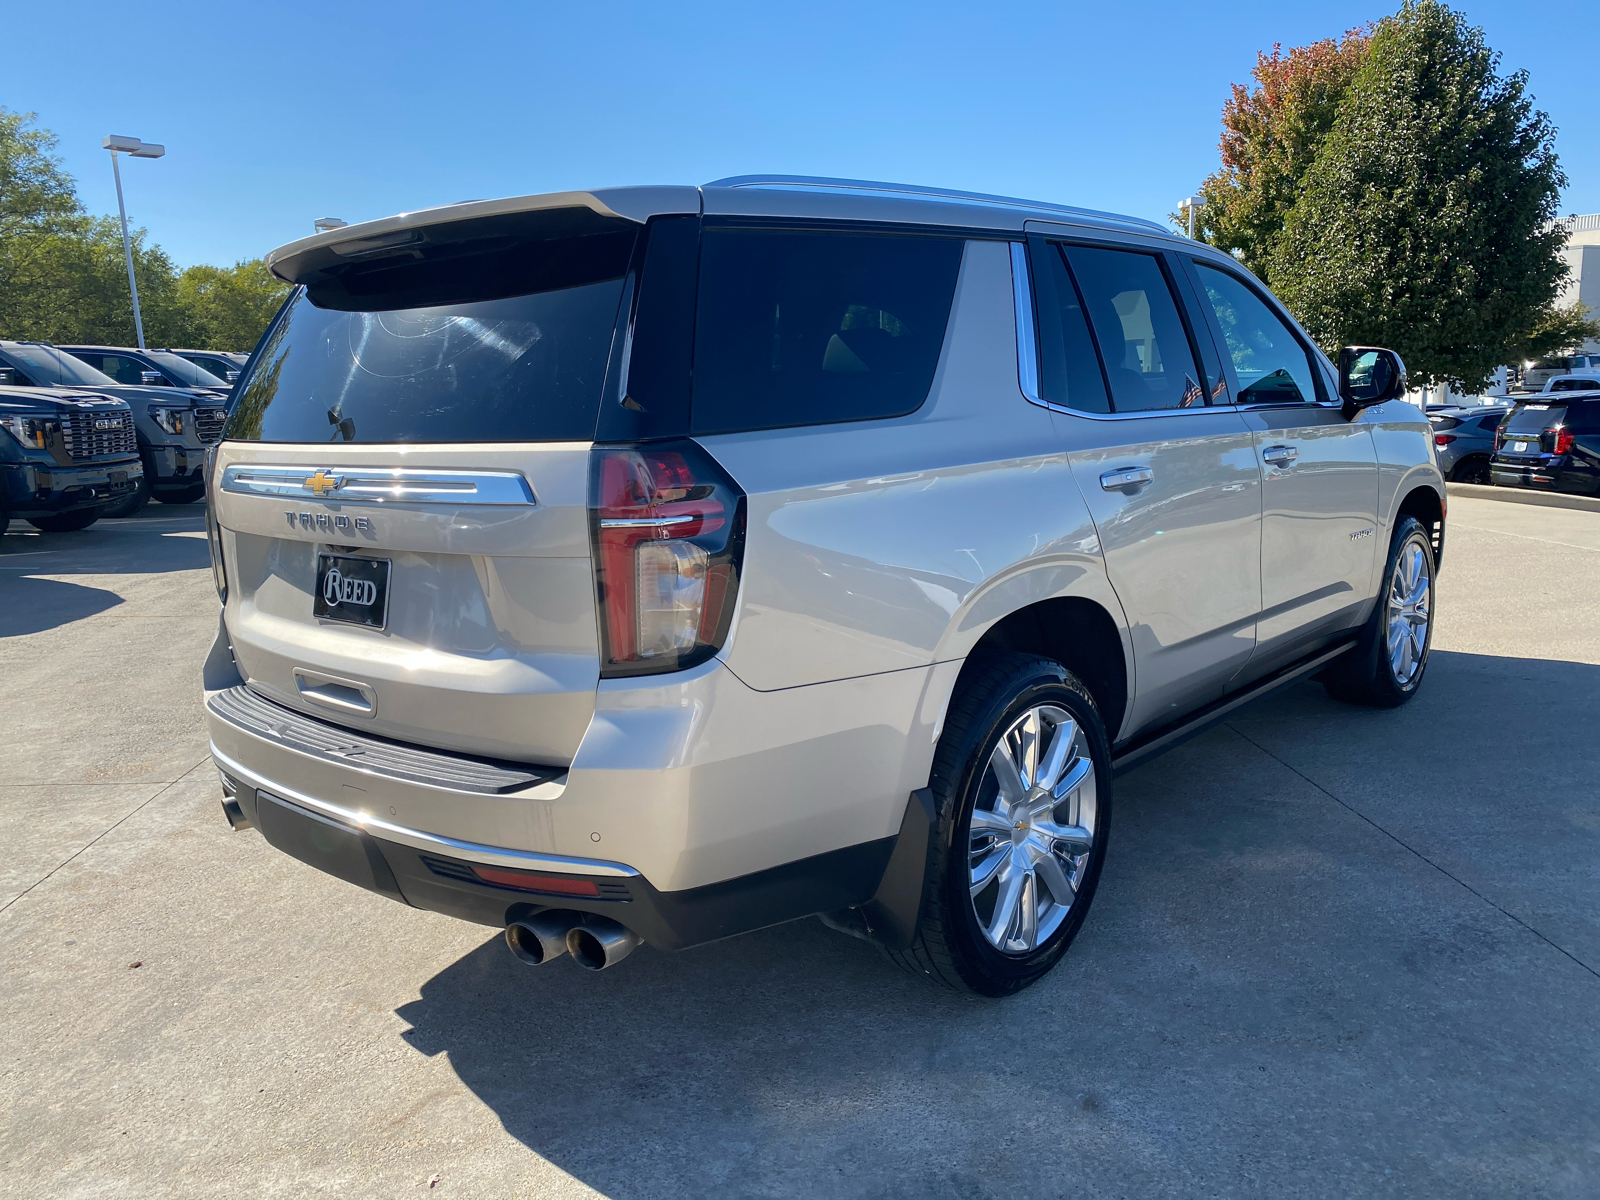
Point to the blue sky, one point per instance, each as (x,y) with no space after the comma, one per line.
(274,115)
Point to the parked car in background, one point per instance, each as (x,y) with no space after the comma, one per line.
(174,425)
(224,364)
(150,368)
(1551,443)
(1535,377)
(1464,438)
(666,563)
(1573,383)
(64,456)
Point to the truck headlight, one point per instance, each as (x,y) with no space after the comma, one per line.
(33,430)
(170,419)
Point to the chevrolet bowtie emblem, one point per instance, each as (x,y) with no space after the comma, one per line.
(322,483)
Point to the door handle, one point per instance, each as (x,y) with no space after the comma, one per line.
(1128,479)
(1281,456)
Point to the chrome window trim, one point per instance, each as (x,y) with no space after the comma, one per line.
(1027,339)
(418,839)
(367,485)
(1028,357)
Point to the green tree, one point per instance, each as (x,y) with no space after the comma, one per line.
(1270,137)
(1555,331)
(1426,222)
(228,308)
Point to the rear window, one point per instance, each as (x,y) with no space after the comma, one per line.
(526,367)
(1533,418)
(808,328)
(1574,385)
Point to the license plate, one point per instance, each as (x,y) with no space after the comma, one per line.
(353,590)
(117,476)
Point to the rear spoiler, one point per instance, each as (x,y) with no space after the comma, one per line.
(413,235)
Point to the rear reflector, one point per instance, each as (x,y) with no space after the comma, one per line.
(561,885)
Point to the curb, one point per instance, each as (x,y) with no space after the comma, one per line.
(1479,491)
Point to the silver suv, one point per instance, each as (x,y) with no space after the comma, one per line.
(664,563)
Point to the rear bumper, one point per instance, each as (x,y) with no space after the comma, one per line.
(390,860)
(31,490)
(716,808)
(1548,475)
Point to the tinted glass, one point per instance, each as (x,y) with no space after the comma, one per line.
(1142,340)
(1574,385)
(46,366)
(1532,418)
(798,328)
(1272,365)
(528,368)
(1492,421)
(181,371)
(1070,368)
(120,367)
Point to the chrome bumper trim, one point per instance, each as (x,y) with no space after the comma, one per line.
(418,839)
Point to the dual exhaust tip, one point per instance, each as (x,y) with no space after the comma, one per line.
(594,942)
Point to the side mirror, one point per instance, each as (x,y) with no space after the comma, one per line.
(1369,375)
(8,377)
(153,379)
(233,377)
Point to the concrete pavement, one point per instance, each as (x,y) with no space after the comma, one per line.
(1335,952)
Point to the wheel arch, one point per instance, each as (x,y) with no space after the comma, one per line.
(1077,632)
(1427,505)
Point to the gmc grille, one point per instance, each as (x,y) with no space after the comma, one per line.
(208,424)
(99,434)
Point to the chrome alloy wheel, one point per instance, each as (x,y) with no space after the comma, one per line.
(1033,826)
(1408,612)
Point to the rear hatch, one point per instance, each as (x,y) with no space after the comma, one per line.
(402,487)
(1529,433)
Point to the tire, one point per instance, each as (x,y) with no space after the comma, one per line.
(1387,665)
(186,495)
(961,939)
(132,502)
(1472,470)
(70,522)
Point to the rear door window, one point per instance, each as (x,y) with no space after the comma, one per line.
(1142,339)
(1070,372)
(800,327)
(1272,365)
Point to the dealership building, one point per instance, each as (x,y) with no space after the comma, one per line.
(1582,253)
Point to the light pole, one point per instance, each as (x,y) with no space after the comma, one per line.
(134,147)
(1188,205)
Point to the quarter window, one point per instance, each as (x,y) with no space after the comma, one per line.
(1135,319)
(1272,365)
(809,328)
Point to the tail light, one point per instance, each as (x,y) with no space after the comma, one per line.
(667,525)
(1564,439)
(1443,439)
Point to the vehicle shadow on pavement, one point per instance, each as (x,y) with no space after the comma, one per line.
(29,605)
(1312,960)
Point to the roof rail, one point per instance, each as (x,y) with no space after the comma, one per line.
(909,189)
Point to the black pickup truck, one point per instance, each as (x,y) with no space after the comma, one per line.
(64,456)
